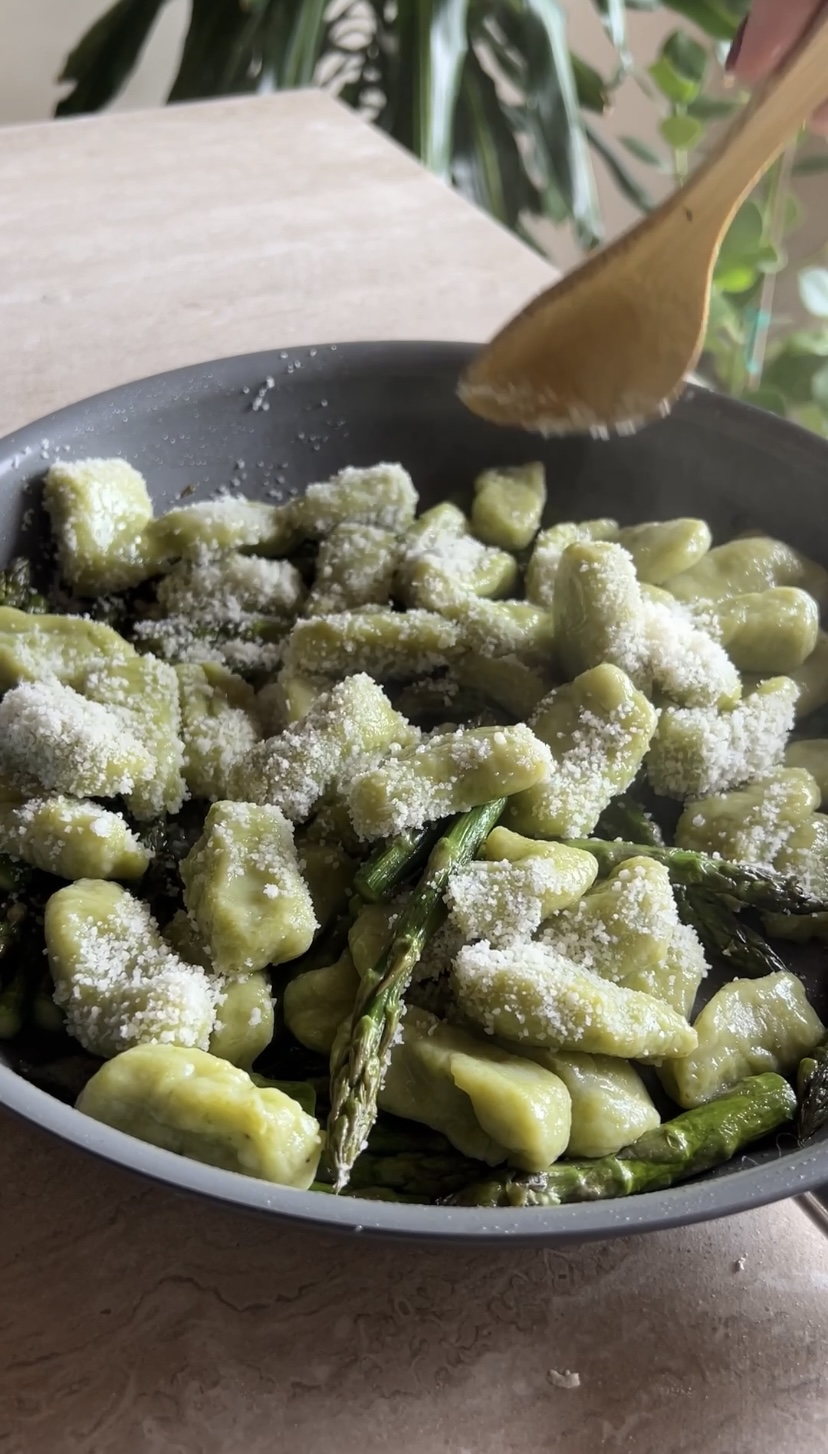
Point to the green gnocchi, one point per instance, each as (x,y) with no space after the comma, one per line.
(328,819)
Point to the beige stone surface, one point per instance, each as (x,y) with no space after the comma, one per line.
(140,241)
(132,1319)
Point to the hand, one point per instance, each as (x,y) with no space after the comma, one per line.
(764,39)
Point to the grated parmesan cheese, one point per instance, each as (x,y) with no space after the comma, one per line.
(532,994)
(116,980)
(52,736)
(697,751)
(348,726)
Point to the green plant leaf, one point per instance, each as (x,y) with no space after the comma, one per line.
(771,259)
(554,124)
(812,284)
(723,317)
(217,53)
(681,132)
(487,165)
(793,373)
(614,16)
(742,243)
(819,386)
(305,45)
(593,91)
(642,152)
(444,44)
(106,55)
(686,56)
(671,85)
(712,108)
(735,277)
(807,166)
(773,400)
(679,70)
(626,183)
(427,42)
(811,416)
(806,342)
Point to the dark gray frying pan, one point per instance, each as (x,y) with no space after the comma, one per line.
(357,404)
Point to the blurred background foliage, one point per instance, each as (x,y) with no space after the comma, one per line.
(490,96)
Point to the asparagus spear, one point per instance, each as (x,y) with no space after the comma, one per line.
(722,932)
(362,1047)
(302,1091)
(46,1015)
(16,588)
(625,818)
(368,1193)
(812,1092)
(425,1177)
(392,862)
(758,888)
(13,1001)
(693,1142)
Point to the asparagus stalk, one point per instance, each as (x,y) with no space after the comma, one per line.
(46,1015)
(625,818)
(757,888)
(13,1001)
(392,862)
(301,1091)
(391,1136)
(16,588)
(362,1047)
(367,1193)
(723,933)
(812,1092)
(691,1143)
(425,1177)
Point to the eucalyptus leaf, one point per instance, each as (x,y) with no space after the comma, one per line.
(712,108)
(793,373)
(773,400)
(805,342)
(642,152)
(681,132)
(811,416)
(672,85)
(686,56)
(735,277)
(819,386)
(744,237)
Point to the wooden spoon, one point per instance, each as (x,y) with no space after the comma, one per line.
(609,347)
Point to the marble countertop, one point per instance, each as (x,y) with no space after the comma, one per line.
(133,1319)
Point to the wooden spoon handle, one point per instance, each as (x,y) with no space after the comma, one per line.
(762,130)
